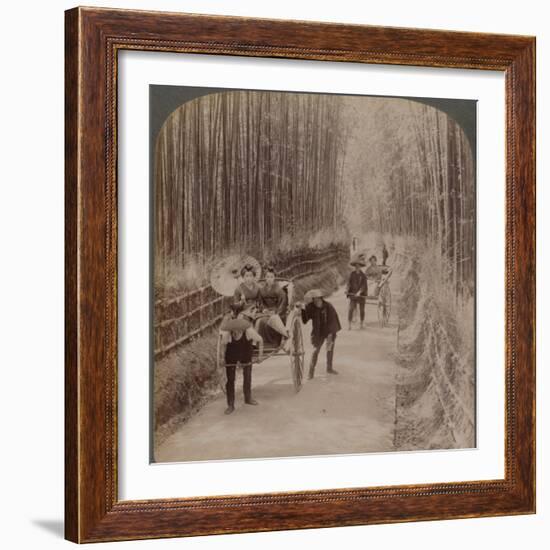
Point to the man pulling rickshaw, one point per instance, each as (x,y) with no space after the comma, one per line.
(325,324)
(360,292)
(357,291)
(262,323)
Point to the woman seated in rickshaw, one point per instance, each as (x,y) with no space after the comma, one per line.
(262,305)
(273,304)
(272,297)
(247,293)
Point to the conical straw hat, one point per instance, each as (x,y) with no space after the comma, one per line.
(235,324)
(313,293)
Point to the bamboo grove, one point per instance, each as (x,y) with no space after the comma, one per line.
(245,171)
(417,178)
(240,171)
(448,182)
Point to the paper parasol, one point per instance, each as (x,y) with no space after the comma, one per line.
(226,273)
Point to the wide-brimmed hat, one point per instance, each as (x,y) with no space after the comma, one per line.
(358,258)
(235,324)
(313,293)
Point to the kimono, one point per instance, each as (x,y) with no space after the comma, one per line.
(273,304)
(249,297)
(272,298)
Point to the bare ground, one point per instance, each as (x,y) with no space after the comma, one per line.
(352,412)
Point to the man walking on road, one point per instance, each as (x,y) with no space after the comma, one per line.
(357,291)
(325,325)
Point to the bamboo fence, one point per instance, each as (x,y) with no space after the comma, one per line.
(180,319)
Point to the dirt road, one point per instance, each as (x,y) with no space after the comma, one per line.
(352,412)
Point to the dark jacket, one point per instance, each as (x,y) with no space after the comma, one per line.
(324,321)
(357,282)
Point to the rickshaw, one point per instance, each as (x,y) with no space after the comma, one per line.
(293,348)
(382,299)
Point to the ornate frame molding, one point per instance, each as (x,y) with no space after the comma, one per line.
(93,38)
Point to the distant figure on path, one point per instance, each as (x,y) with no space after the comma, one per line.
(385,254)
(356,291)
(325,325)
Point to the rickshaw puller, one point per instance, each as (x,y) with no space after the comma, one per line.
(357,291)
(238,339)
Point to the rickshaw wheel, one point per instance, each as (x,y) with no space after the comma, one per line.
(296,353)
(220,365)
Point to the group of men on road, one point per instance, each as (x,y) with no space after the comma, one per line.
(239,335)
(357,287)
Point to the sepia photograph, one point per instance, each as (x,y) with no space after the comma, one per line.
(313,274)
(299,278)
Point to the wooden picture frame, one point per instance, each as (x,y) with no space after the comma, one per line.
(93,511)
